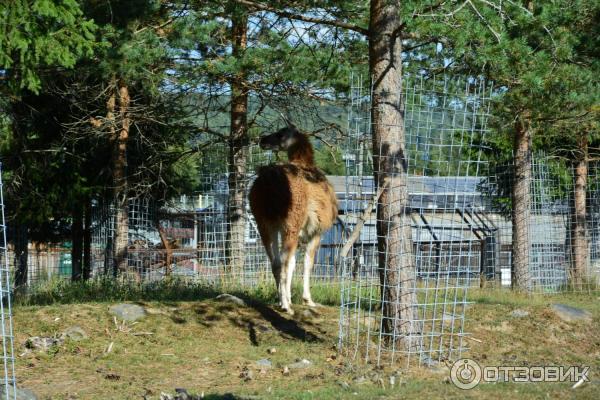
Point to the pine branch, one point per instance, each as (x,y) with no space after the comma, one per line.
(291,15)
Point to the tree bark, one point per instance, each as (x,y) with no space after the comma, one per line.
(77,245)
(87,241)
(579,239)
(238,151)
(396,265)
(521,203)
(121,137)
(21,242)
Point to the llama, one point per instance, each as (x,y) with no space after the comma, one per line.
(293,203)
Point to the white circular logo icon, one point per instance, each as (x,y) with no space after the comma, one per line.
(465,373)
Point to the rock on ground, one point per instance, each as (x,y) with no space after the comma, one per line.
(571,314)
(264,363)
(447,317)
(75,333)
(304,363)
(229,298)
(42,343)
(128,312)
(518,313)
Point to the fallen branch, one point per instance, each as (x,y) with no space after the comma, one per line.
(366,213)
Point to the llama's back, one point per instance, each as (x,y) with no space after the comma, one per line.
(321,198)
(294,195)
(270,195)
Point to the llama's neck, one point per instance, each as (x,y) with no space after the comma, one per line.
(302,152)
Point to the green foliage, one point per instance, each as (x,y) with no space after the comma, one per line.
(330,160)
(176,59)
(40,33)
(61,291)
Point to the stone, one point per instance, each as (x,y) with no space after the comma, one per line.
(75,333)
(359,380)
(301,364)
(22,393)
(429,362)
(264,363)
(518,313)
(182,394)
(571,314)
(447,317)
(263,328)
(246,374)
(42,343)
(229,298)
(310,314)
(128,312)
(286,371)
(272,350)
(344,385)
(392,380)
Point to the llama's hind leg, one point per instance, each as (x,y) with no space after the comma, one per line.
(270,239)
(309,260)
(288,261)
(276,264)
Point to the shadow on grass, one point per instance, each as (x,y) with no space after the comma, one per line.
(169,293)
(268,319)
(288,328)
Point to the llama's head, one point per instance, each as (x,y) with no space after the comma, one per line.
(282,140)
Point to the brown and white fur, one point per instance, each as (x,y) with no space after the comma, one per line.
(293,204)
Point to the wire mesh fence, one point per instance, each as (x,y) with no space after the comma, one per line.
(192,237)
(416,312)
(406,274)
(8,389)
(559,241)
(593,222)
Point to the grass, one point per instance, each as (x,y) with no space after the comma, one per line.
(61,291)
(190,340)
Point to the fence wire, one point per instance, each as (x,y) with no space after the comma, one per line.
(416,313)
(553,251)
(193,237)
(8,391)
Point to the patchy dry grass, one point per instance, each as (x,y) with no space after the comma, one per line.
(205,345)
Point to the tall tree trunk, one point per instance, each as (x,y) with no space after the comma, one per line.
(579,239)
(87,241)
(21,242)
(396,265)
(121,136)
(77,244)
(238,151)
(521,203)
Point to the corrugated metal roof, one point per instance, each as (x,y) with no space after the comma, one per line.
(416,184)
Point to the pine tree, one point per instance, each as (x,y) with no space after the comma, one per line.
(36,36)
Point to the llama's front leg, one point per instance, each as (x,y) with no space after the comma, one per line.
(309,260)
